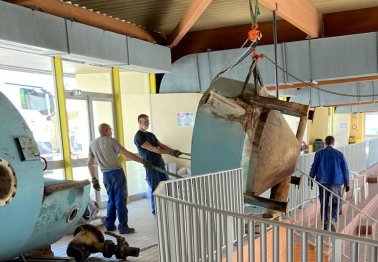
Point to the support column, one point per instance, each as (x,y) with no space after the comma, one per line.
(118,112)
(152,84)
(61,100)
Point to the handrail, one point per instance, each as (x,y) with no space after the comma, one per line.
(264,220)
(336,196)
(197,223)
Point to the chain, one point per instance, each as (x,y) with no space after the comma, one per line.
(237,61)
(314,86)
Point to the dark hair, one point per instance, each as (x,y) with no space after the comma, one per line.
(329,140)
(142,116)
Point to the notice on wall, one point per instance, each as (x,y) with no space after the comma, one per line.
(343,125)
(185,119)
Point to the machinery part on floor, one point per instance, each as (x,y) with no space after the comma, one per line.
(88,239)
(236,127)
(34,211)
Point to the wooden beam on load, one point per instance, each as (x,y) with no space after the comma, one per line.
(84,16)
(265,202)
(191,15)
(299,13)
(324,82)
(289,108)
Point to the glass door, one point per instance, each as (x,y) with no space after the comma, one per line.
(85,113)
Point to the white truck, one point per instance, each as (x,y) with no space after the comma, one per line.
(37,107)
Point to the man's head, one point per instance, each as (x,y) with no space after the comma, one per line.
(105,129)
(330,141)
(143,121)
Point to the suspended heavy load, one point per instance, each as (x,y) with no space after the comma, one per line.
(238,125)
(34,211)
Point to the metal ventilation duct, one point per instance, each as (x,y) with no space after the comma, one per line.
(309,60)
(35,32)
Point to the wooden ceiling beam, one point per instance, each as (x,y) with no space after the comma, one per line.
(84,16)
(299,13)
(191,15)
(324,82)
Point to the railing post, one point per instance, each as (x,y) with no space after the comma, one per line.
(251,241)
(276,243)
(289,244)
(336,250)
(171,238)
(263,241)
(229,237)
(319,248)
(304,254)
(373,253)
(354,251)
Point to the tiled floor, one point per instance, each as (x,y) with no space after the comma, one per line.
(145,238)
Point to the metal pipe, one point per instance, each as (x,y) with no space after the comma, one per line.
(275,50)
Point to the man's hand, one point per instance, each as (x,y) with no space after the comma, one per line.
(96,184)
(311,183)
(175,153)
(148,164)
(347,188)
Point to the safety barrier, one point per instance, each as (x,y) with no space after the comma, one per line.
(201,219)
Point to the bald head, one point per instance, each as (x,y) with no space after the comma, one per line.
(105,129)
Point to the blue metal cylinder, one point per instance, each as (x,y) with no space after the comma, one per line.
(34,212)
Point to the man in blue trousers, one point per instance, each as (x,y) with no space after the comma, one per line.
(105,150)
(150,149)
(331,170)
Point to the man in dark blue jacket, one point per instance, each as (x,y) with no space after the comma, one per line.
(331,170)
(150,149)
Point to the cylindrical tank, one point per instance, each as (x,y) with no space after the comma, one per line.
(34,212)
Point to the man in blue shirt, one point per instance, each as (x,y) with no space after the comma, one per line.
(331,170)
(150,149)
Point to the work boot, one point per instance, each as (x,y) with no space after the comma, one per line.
(129,230)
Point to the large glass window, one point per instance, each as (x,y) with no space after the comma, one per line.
(371,125)
(33,94)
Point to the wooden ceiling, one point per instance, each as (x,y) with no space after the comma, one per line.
(163,15)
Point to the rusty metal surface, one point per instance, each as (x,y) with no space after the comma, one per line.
(274,153)
(29,148)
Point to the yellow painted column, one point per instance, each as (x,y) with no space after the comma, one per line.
(332,120)
(152,83)
(118,111)
(59,85)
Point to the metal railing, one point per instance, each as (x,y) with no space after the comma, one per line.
(359,157)
(201,219)
(350,219)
